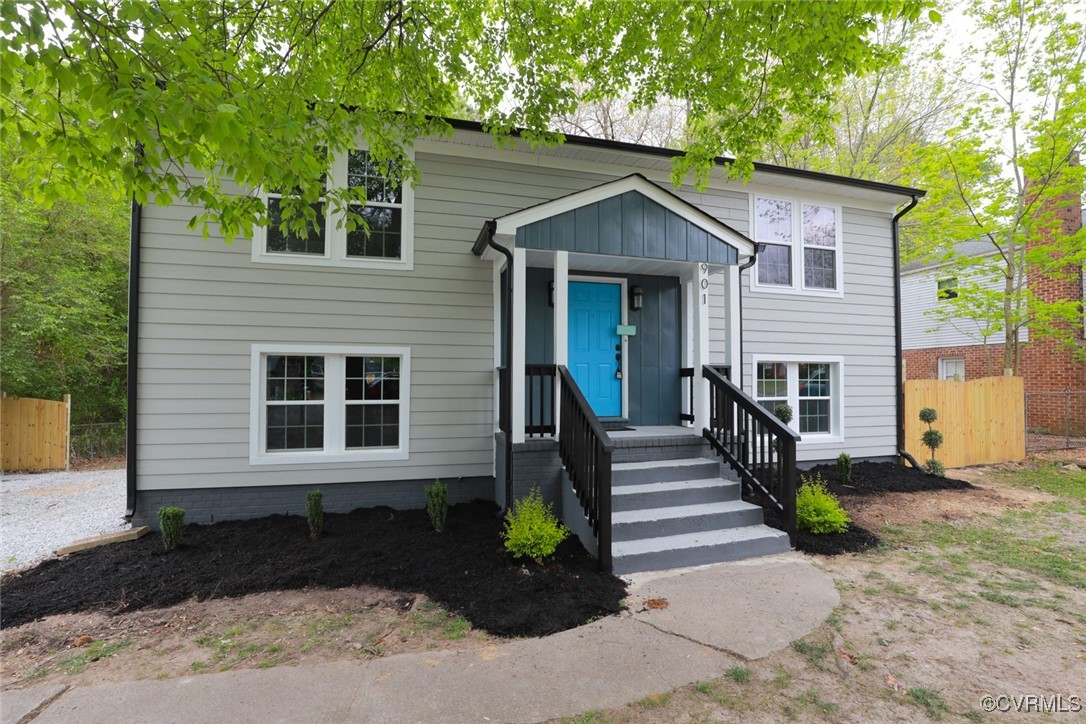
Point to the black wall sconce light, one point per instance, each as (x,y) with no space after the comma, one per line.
(637,298)
(550,294)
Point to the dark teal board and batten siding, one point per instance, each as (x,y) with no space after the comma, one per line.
(655,352)
(628,225)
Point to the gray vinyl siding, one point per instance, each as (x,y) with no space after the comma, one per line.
(858,327)
(204,303)
(919,330)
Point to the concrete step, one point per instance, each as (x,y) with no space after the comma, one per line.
(662,471)
(673,492)
(695,549)
(678,519)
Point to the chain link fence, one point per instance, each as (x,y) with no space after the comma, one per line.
(1055,420)
(97,440)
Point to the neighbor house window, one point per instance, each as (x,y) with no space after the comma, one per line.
(314,404)
(811,389)
(952,368)
(947,288)
(798,246)
(382,236)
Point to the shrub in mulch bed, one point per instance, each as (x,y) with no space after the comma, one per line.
(465,569)
(867,479)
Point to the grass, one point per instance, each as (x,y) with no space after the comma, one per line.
(931,700)
(1050,478)
(999,545)
(812,651)
(77,663)
(739,674)
(432,618)
(655,701)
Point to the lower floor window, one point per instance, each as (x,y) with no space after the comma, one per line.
(343,403)
(811,389)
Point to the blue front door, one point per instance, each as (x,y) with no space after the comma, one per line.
(594,313)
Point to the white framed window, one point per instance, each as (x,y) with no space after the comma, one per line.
(799,246)
(952,368)
(946,288)
(386,242)
(812,387)
(313,404)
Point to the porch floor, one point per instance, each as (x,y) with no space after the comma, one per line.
(654,431)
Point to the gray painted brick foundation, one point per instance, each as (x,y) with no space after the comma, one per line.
(209,505)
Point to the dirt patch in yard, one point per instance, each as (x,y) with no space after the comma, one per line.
(465,570)
(255,631)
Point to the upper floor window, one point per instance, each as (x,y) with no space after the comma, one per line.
(799,246)
(947,288)
(383,238)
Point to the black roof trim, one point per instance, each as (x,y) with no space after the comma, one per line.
(719,160)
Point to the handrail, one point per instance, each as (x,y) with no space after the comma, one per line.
(760,448)
(585,449)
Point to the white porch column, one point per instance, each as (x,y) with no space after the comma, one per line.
(516,364)
(561,324)
(700,309)
(731,294)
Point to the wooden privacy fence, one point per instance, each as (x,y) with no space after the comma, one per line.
(982,421)
(35,433)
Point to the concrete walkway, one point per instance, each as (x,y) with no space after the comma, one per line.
(715,617)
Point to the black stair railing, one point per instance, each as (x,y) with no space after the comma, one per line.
(539,400)
(760,448)
(585,449)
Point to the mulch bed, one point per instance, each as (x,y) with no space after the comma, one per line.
(465,569)
(868,479)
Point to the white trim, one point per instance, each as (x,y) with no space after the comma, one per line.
(701,345)
(623,306)
(496,287)
(516,364)
(759,183)
(335,230)
(561,324)
(837,406)
(334,403)
(798,287)
(508,224)
(732,290)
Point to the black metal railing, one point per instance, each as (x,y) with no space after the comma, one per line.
(686,414)
(585,449)
(760,448)
(504,400)
(539,400)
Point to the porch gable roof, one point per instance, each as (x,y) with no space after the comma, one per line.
(631,217)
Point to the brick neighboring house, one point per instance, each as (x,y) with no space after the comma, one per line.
(952,350)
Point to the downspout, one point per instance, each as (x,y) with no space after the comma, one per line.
(738,374)
(133,346)
(507,292)
(900,396)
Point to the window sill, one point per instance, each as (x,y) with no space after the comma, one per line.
(756,288)
(406,264)
(312,458)
(818,439)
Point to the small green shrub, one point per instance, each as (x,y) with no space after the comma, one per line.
(844,468)
(170,520)
(783,412)
(928,415)
(818,510)
(437,504)
(934,467)
(314,511)
(531,529)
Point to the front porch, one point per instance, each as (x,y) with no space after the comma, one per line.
(607,395)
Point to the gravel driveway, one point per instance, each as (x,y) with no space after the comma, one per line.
(42,511)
